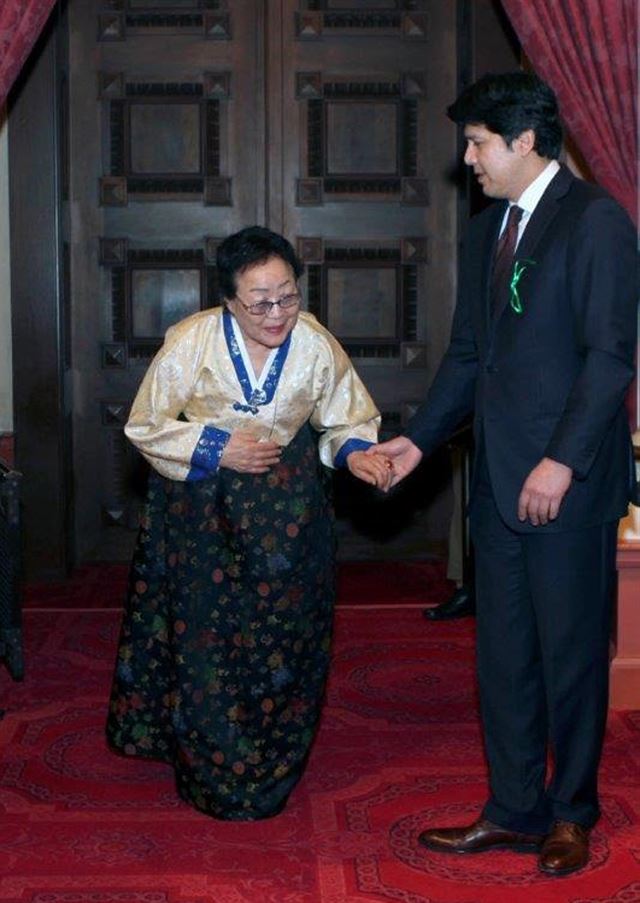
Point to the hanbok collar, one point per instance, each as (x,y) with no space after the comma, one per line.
(257,391)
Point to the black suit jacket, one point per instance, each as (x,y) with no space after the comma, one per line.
(550,381)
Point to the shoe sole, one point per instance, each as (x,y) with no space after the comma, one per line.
(514,847)
(561,873)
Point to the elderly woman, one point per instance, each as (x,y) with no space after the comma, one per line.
(225,643)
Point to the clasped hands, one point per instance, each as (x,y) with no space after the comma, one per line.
(385,464)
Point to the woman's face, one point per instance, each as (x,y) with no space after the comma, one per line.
(267,281)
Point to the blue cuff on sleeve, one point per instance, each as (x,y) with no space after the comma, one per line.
(349,446)
(207,453)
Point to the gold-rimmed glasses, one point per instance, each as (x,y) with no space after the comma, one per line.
(262,308)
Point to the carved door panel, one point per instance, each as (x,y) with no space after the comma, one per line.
(188,119)
(359,180)
(167,152)
(365,150)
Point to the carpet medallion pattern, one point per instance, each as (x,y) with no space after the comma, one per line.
(399,749)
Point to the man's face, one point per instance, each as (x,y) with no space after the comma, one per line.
(498,167)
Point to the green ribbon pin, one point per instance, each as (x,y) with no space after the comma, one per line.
(515,300)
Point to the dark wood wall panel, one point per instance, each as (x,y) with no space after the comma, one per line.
(365,187)
(39,281)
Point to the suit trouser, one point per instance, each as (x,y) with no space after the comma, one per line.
(543,624)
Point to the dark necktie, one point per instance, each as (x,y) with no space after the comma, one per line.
(504,254)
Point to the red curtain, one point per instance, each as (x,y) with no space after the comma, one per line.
(586,50)
(21,21)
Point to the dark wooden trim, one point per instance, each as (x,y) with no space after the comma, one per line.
(41,406)
(274,102)
(465,67)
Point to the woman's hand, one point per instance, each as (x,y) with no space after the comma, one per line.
(373,469)
(246,454)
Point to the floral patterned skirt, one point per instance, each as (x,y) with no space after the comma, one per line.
(225,643)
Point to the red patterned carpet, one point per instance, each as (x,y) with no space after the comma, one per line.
(359,583)
(399,749)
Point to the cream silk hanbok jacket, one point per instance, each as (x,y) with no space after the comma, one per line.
(200,387)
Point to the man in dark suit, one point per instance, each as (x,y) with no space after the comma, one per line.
(542,353)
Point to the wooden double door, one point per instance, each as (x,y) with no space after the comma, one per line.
(181,121)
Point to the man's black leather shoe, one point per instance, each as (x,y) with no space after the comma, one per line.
(460,605)
(479,837)
(565,849)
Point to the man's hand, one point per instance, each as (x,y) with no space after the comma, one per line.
(373,469)
(246,454)
(543,491)
(403,454)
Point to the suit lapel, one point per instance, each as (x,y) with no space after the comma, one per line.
(544,213)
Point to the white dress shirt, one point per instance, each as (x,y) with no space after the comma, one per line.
(530,197)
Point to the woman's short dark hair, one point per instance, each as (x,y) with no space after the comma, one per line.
(249,247)
(508,104)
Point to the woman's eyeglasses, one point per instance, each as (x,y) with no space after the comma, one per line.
(261,308)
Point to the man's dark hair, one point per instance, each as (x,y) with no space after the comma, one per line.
(249,247)
(508,104)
